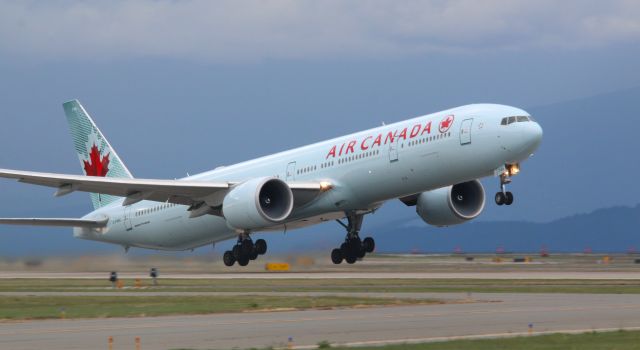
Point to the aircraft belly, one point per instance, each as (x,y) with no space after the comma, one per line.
(166,232)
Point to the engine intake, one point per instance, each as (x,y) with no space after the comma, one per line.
(451,205)
(257,203)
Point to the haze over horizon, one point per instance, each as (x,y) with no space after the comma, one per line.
(183,87)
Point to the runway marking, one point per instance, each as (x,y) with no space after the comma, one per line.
(466,337)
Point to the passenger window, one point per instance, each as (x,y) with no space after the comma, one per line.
(512,120)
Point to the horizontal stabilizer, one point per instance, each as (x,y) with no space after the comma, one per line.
(56,222)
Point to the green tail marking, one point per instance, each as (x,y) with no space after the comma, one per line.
(96,155)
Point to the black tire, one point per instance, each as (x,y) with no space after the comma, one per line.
(237,252)
(508,198)
(247,247)
(356,248)
(351,259)
(261,246)
(500,198)
(344,249)
(369,244)
(228,258)
(254,255)
(243,261)
(336,256)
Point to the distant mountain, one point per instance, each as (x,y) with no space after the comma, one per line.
(610,230)
(614,229)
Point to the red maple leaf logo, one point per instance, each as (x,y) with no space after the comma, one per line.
(96,166)
(446,123)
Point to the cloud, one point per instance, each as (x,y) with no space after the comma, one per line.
(231,31)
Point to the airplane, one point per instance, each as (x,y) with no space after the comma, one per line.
(432,162)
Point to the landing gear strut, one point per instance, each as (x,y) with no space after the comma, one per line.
(353,247)
(504,197)
(244,251)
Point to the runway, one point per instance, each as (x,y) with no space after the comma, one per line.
(493,314)
(511,275)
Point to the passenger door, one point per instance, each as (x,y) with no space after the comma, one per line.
(291,172)
(465,131)
(127,218)
(393,150)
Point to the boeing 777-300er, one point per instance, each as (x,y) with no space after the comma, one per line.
(432,162)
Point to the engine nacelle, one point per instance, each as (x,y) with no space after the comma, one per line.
(257,203)
(451,205)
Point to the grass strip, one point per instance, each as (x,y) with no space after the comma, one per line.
(336,285)
(45,307)
(618,340)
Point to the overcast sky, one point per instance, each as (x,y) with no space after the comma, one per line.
(232,31)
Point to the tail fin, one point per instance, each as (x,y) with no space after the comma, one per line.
(97,157)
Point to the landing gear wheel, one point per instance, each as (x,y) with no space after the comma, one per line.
(369,245)
(237,252)
(261,246)
(243,261)
(508,198)
(247,247)
(344,249)
(253,255)
(351,259)
(361,252)
(228,258)
(500,198)
(336,256)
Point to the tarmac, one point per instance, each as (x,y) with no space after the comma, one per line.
(529,275)
(465,316)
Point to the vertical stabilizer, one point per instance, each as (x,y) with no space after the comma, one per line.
(97,157)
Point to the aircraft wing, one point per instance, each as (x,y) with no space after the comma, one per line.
(55,222)
(184,192)
(135,190)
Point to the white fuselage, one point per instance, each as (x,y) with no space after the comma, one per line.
(366,169)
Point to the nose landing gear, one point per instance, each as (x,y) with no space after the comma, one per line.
(504,197)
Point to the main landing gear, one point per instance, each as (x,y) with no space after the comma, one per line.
(353,247)
(244,251)
(504,197)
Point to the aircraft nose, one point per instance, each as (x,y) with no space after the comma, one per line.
(531,136)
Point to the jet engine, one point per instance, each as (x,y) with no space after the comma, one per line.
(257,203)
(451,205)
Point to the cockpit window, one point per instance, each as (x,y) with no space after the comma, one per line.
(518,119)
